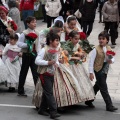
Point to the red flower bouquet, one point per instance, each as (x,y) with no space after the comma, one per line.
(82,36)
(110,54)
(13,25)
(52,51)
(30,38)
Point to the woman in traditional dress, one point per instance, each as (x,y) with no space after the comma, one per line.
(7,27)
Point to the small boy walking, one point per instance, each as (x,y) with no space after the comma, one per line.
(47,60)
(99,64)
(28,42)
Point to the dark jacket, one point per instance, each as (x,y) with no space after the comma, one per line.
(88,10)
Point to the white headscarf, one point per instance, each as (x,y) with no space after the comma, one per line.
(77,24)
(60,18)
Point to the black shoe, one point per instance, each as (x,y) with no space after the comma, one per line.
(114,108)
(55,115)
(89,104)
(45,113)
(11,89)
(113,43)
(22,95)
(111,109)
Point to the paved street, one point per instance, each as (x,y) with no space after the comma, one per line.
(13,107)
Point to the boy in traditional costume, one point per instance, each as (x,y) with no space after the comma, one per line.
(99,64)
(28,42)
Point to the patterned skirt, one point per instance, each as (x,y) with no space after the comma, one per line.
(67,88)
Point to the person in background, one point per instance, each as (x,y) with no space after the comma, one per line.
(3,3)
(101,3)
(99,64)
(43,2)
(52,8)
(27,9)
(88,10)
(111,19)
(28,58)
(14,13)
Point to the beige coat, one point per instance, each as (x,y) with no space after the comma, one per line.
(53,8)
(110,12)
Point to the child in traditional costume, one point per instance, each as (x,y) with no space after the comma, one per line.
(47,60)
(58,24)
(29,43)
(71,24)
(12,51)
(76,57)
(101,57)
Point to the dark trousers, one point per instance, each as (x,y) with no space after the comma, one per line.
(87,27)
(44,13)
(100,13)
(102,86)
(112,26)
(28,60)
(25,14)
(50,20)
(48,100)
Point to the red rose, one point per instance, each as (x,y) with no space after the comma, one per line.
(32,35)
(110,53)
(52,51)
(14,26)
(82,36)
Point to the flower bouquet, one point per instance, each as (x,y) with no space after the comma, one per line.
(30,39)
(110,54)
(52,53)
(12,25)
(84,43)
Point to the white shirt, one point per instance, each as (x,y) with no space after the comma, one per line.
(93,56)
(40,58)
(21,41)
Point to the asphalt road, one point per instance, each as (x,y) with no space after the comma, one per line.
(13,107)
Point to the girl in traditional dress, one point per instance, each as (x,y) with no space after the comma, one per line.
(71,24)
(12,51)
(76,56)
(58,24)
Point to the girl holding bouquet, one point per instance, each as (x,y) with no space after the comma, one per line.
(46,60)
(12,51)
(101,56)
(76,58)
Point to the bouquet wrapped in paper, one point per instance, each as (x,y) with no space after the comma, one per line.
(30,39)
(52,56)
(110,54)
